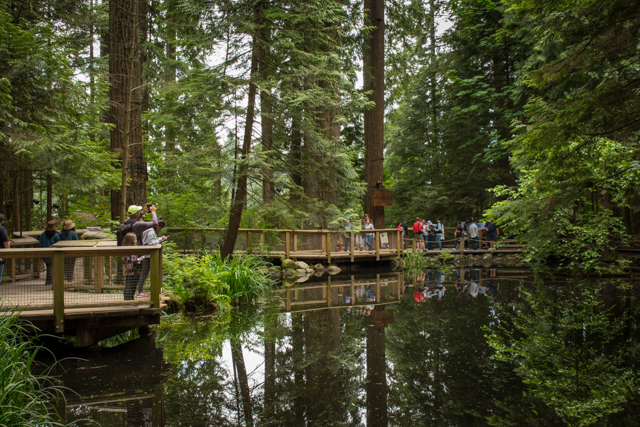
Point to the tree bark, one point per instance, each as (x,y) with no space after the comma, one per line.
(266,109)
(125,72)
(376,385)
(373,77)
(238,202)
(49,196)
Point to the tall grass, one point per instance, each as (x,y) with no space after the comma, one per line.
(246,278)
(23,395)
(208,279)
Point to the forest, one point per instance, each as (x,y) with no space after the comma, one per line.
(291,114)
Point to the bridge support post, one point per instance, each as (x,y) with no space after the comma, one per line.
(249,243)
(156,276)
(57,279)
(287,239)
(329,248)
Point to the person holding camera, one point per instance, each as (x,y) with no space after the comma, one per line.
(149,238)
(134,225)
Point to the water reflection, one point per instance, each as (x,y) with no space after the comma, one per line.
(391,350)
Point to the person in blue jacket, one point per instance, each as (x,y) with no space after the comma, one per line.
(48,237)
(69,233)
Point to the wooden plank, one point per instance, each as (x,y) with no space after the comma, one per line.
(249,243)
(377,245)
(399,243)
(57,277)
(295,242)
(329,247)
(75,244)
(261,242)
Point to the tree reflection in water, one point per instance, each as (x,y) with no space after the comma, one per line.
(489,351)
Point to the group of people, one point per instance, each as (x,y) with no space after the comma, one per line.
(133,232)
(426,233)
(361,240)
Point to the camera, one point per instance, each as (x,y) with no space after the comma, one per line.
(149,205)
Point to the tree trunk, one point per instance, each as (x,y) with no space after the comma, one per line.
(124,93)
(49,196)
(266,109)
(373,77)
(238,202)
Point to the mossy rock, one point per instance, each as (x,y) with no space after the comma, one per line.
(302,264)
(289,264)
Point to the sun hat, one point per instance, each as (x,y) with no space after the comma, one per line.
(51,226)
(68,224)
(133,209)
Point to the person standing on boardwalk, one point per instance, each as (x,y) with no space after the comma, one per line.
(69,233)
(473,234)
(347,235)
(49,237)
(369,236)
(360,236)
(439,233)
(4,244)
(131,267)
(134,225)
(492,234)
(417,231)
(405,232)
(149,238)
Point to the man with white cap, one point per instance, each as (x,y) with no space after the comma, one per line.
(134,225)
(4,243)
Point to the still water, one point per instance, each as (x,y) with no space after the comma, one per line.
(443,348)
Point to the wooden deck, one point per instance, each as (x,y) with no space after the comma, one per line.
(87,305)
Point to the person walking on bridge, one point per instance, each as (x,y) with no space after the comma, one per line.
(439,233)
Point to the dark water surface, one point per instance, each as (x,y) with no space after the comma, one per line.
(444,348)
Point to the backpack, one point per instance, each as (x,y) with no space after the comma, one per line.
(124,228)
(417,227)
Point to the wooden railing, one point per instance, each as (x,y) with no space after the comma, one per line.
(87,288)
(385,242)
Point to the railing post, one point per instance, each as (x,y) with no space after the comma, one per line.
(249,243)
(98,274)
(400,283)
(329,292)
(295,242)
(156,276)
(461,248)
(353,289)
(413,245)
(286,244)
(328,247)
(398,242)
(57,279)
(261,241)
(377,245)
(352,245)
(378,288)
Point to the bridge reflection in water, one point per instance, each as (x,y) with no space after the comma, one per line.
(327,362)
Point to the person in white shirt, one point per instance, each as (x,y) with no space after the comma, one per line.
(149,238)
(473,234)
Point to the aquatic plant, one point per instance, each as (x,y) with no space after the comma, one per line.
(205,279)
(23,394)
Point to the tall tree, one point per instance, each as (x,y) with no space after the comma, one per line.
(373,79)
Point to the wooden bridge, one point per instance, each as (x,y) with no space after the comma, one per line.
(84,299)
(324,246)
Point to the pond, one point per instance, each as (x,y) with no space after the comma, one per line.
(473,347)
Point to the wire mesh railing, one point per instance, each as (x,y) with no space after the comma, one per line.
(62,279)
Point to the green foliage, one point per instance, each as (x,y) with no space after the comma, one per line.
(570,355)
(23,394)
(209,279)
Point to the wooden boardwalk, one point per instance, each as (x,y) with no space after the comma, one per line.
(90,305)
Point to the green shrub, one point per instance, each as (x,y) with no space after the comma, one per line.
(23,395)
(208,279)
